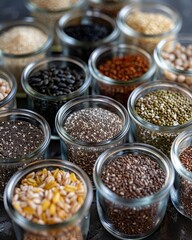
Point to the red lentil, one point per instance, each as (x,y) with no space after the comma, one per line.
(125,68)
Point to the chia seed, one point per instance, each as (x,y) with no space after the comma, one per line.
(133,177)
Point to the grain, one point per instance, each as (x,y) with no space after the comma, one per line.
(54,5)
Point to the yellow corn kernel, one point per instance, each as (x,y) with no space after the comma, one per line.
(44,171)
(45,205)
(56,197)
(50,185)
(17,206)
(30,175)
(70,188)
(73,177)
(28,210)
(52,209)
(44,217)
(32,182)
(56,171)
(38,180)
(79,186)
(80,199)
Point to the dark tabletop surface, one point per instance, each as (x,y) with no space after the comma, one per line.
(174,225)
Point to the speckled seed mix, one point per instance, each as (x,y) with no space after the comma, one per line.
(180,58)
(49,197)
(17,140)
(91,125)
(133,176)
(162,108)
(185,188)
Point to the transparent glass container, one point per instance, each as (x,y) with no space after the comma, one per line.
(8,102)
(86,153)
(173,58)
(8,166)
(182,188)
(115,88)
(47,105)
(49,12)
(83,48)
(75,227)
(15,63)
(109,7)
(143,131)
(134,218)
(139,35)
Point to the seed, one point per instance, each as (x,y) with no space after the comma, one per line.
(5,89)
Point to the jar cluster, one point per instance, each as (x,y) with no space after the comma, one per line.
(109,85)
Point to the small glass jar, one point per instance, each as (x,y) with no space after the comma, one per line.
(90,30)
(8,102)
(146,23)
(75,227)
(85,153)
(17,60)
(159,136)
(109,7)
(115,88)
(173,58)
(48,105)
(134,218)
(49,12)
(182,189)
(9,165)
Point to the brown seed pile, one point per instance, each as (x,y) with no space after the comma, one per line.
(180,58)
(133,176)
(185,188)
(91,125)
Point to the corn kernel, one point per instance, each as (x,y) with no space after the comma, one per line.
(45,205)
(28,210)
(50,185)
(56,197)
(32,182)
(73,177)
(52,209)
(80,199)
(56,171)
(70,188)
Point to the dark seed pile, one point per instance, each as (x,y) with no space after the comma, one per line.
(88,32)
(55,81)
(185,188)
(91,125)
(133,176)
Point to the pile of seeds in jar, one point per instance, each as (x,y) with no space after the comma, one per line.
(91,125)
(17,140)
(5,89)
(133,177)
(54,81)
(180,58)
(149,24)
(162,108)
(54,5)
(49,197)
(185,188)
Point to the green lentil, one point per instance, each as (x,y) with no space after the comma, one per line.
(164,108)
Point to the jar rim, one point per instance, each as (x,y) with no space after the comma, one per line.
(32,66)
(178,166)
(115,48)
(88,14)
(33,7)
(164,7)
(163,160)
(155,85)
(28,21)
(61,114)
(161,62)
(28,115)
(40,164)
(10,78)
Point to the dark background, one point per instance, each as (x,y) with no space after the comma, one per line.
(174,225)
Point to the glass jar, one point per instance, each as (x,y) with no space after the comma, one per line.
(109,7)
(47,104)
(138,217)
(25,144)
(75,227)
(85,32)
(85,152)
(173,58)
(49,12)
(22,42)
(114,87)
(182,189)
(146,23)
(8,94)
(160,136)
